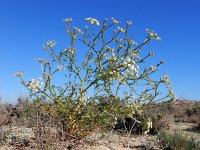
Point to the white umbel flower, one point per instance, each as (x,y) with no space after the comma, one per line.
(114,20)
(92,21)
(121,29)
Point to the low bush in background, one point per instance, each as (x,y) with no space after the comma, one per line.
(177,141)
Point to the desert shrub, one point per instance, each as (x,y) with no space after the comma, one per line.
(193,111)
(177,140)
(101,85)
(193,114)
(7,113)
(193,119)
(196,126)
(190,115)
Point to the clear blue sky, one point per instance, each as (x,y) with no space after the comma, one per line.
(26,24)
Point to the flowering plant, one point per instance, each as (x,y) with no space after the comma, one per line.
(110,68)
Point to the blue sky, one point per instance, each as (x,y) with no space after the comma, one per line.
(26,24)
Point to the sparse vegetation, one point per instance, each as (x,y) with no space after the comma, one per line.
(177,141)
(37,128)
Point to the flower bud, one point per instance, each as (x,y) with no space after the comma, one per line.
(151,53)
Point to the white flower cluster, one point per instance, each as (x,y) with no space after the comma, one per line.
(131,41)
(109,49)
(35,85)
(134,55)
(67,20)
(153,68)
(171,94)
(78,30)
(41,60)
(121,29)
(151,53)
(116,75)
(69,51)
(165,79)
(59,67)
(152,35)
(92,21)
(128,68)
(129,23)
(111,59)
(132,69)
(110,55)
(49,44)
(19,74)
(115,21)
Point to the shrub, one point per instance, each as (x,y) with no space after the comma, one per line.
(196,127)
(193,111)
(109,68)
(177,140)
(191,114)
